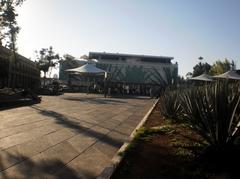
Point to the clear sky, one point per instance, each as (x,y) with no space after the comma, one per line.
(184,29)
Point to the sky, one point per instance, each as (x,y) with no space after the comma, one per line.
(183,29)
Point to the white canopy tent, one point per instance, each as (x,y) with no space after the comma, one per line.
(203,77)
(87,69)
(228,75)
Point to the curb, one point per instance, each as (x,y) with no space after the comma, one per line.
(108,171)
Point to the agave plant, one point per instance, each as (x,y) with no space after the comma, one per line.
(213,112)
(170,105)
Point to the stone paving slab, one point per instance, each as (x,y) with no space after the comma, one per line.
(69,136)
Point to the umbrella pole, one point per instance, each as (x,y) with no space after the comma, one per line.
(105,84)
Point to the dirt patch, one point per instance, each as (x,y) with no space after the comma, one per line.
(167,153)
(155,119)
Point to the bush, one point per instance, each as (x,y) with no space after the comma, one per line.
(169,104)
(213,112)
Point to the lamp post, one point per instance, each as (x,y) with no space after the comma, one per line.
(204,66)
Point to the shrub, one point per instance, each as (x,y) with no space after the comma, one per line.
(213,112)
(170,105)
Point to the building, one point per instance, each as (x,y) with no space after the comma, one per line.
(135,73)
(136,69)
(17,73)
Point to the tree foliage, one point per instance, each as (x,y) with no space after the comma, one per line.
(8,32)
(85,57)
(8,23)
(47,58)
(201,68)
(220,67)
(189,75)
(217,68)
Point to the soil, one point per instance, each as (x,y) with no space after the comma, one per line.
(172,155)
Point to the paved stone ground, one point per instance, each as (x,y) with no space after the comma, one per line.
(69,136)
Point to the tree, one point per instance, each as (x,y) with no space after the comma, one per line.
(233,65)
(189,75)
(46,60)
(220,67)
(201,68)
(9,26)
(8,32)
(85,57)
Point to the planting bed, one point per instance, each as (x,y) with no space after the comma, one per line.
(165,150)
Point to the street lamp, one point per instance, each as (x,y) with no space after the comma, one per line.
(204,66)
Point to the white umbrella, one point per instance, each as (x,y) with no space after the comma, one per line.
(229,75)
(203,77)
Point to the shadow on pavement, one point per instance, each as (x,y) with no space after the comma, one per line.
(66,122)
(131,97)
(29,168)
(16,104)
(95,100)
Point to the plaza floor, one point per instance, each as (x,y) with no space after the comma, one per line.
(69,136)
